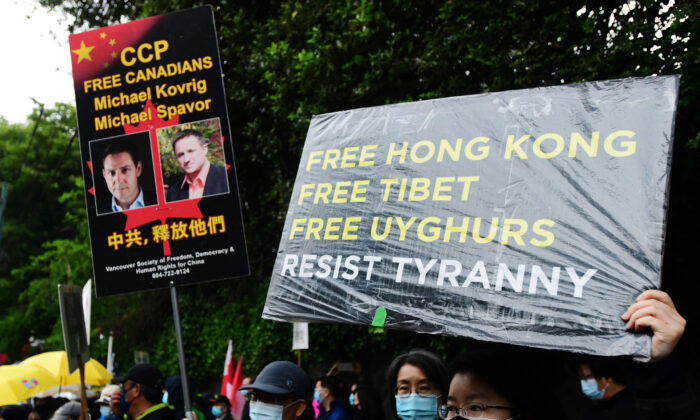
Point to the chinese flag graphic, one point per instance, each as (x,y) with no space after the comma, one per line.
(98,52)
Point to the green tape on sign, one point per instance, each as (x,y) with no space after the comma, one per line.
(379,317)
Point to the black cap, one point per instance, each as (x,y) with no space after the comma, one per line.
(144,374)
(282,377)
(221,399)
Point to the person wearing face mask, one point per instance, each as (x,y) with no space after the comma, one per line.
(141,395)
(103,402)
(221,408)
(245,412)
(174,396)
(365,402)
(328,394)
(628,389)
(282,391)
(420,381)
(605,380)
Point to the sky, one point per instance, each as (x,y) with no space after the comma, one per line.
(36,59)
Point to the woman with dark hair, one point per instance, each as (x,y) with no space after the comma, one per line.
(365,402)
(420,380)
(496,384)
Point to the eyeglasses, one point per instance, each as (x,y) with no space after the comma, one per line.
(467,410)
(423,389)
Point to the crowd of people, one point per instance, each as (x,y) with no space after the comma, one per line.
(485,384)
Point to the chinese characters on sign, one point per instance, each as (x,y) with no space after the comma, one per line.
(157,153)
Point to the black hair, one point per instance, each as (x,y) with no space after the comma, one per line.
(370,402)
(334,385)
(507,372)
(176,395)
(117,146)
(16,411)
(187,133)
(617,368)
(47,407)
(431,365)
(151,394)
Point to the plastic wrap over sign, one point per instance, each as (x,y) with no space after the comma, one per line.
(533,217)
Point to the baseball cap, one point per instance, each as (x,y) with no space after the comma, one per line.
(144,374)
(282,377)
(221,399)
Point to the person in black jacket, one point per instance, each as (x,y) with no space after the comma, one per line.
(605,379)
(221,408)
(201,177)
(633,390)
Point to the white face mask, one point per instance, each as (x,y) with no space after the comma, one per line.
(264,411)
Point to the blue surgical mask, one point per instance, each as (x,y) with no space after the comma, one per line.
(317,396)
(417,407)
(165,397)
(264,411)
(216,411)
(243,392)
(590,389)
(123,403)
(351,398)
(105,411)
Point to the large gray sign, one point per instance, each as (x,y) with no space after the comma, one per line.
(532,217)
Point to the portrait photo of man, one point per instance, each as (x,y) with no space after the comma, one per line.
(127,176)
(198,176)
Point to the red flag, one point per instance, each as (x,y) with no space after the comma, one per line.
(237,399)
(228,370)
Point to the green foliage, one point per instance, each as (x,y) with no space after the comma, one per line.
(44,230)
(285,61)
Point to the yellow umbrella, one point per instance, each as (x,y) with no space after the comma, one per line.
(56,362)
(18,383)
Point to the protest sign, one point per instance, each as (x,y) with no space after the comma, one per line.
(532,217)
(300,336)
(70,304)
(157,157)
